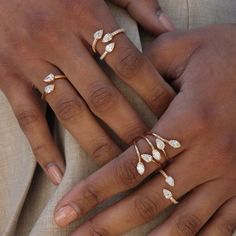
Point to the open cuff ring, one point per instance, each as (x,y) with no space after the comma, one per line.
(50,81)
(98,35)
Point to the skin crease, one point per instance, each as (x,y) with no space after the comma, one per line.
(201,65)
(35,41)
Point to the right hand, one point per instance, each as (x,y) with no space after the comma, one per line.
(42,37)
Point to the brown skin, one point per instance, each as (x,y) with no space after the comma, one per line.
(201,65)
(42,37)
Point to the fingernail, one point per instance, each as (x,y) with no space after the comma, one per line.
(166,22)
(65,216)
(55,174)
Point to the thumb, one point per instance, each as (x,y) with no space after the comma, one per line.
(148,14)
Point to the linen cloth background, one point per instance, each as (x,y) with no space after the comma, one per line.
(27,198)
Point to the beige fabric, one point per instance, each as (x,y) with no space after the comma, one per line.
(27,199)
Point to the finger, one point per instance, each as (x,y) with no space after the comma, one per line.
(147,202)
(131,66)
(195,210)
(30,116)
(97,188)
(75,116)
(165,50)
(223,222)
(148,14)
(102,97)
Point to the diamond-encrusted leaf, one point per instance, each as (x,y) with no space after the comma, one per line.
(169,180)
(174,143)
(160,144)
(98,34)
(140,168)
(49,88)
(49,78)
(107,38)
(147,158)
(156,155)
(167,194)
(110,47)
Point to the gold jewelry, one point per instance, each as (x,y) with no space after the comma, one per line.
(168,195)
(140,166)
(109,36)
(155,153)
(108,49)
(144,157)
(168,179)
(161,142)
(157,156)
(50,81)
(97,36)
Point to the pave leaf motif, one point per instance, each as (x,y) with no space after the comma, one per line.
(147,158)
(49,78)
(110,47)
(169,180)
(156,155)
(140,168)
(107,38)
(174,144)
(49,88)
(160,144)
(98,34)
(167,194)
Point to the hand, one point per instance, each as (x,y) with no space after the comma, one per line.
(56,37)
(200,64)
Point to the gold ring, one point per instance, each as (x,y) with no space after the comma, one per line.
(50,81)
(97,36)
(168,195)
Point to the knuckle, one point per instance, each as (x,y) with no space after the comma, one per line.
(160,98)
(161,44)
(96,230)
(39,152)
(26,118)
(102,98)
(126,173)
(130,63)
(42,26)
(133,132)
(69,108)
(91,195)
(227,228)
(145,207)
(102,152)
(188,225)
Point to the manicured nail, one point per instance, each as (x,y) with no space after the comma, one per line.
(55,174)
(65,216)
(166,22)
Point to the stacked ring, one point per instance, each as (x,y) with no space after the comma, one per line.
(155,157)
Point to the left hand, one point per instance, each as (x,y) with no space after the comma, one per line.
(201,65)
